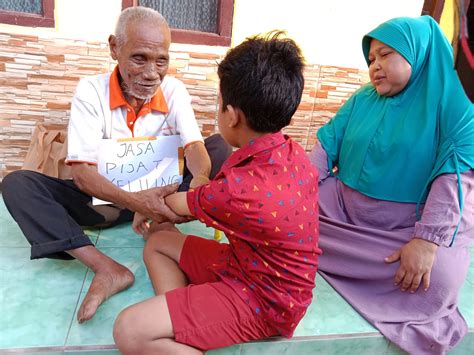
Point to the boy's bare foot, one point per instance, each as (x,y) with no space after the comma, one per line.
(106,282)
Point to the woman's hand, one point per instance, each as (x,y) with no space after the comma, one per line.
(416,261)
(140,224)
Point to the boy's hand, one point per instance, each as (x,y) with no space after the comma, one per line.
(140,224)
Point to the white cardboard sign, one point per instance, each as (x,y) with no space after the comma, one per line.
(140,163)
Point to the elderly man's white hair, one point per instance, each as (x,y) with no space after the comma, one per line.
(137,14)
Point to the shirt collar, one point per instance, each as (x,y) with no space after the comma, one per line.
(117,99)
(255,146)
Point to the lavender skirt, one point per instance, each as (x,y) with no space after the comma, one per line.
(356,234)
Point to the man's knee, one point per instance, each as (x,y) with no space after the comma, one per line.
(15,183)
(11,181)
(216,140)
(218,149)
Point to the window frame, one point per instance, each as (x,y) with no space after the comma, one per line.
(224,27)
(28,19)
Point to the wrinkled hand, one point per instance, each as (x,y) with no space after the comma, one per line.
(416,261)
(151,204)
(198,181)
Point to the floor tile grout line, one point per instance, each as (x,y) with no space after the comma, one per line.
(71,323)
(16,247)
(62,349)
(98,236)
(76,307)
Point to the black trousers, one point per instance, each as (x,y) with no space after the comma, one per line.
(52,212)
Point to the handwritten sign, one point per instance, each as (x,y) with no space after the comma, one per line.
(137,164)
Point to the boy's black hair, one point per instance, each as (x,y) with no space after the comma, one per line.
(263,76)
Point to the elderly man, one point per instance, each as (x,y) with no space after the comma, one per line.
(135,100)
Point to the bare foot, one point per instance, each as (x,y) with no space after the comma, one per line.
(106,283)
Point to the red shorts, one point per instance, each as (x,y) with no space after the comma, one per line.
(208,313)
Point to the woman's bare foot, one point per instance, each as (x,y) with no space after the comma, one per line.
(107,281)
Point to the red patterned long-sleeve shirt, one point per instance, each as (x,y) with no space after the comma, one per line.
(265,199)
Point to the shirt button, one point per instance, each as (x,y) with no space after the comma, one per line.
(128,110)
(131,123)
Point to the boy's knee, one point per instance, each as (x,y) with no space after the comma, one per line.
(158,239)
(152,242)
(164,242)
(124,335)
(151,247)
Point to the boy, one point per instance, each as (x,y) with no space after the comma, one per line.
(264,199)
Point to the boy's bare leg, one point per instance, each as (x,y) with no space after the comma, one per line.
(159,227)
(110,277)
(152,330)
(161,255)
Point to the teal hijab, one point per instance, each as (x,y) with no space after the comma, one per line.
(392,148)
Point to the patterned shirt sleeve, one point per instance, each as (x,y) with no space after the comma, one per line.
(213,204)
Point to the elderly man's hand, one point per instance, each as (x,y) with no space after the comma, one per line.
(416,261)
(151,203)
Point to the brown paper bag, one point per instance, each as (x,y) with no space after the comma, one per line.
(47,151)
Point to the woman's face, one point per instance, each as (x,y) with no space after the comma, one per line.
(389,72)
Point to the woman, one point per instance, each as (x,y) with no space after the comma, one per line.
(397,189)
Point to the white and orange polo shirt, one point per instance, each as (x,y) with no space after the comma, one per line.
(99,111)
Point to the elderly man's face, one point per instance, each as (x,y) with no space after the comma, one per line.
(143,59)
